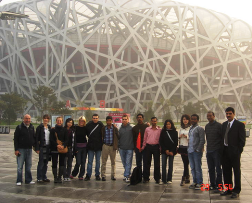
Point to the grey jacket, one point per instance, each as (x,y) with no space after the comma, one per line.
(198,138)
(126,138)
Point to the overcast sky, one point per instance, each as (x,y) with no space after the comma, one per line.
(240,9)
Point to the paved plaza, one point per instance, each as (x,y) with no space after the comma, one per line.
(111,191)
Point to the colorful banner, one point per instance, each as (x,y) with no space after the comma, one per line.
(94,109)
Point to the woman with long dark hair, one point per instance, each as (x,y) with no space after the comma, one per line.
(80,148)
(168,142)
(185,123)
(69,125)
(59,133)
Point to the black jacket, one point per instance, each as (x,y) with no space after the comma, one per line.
(95,139)
(62,136)
(166,143)
(115,137)
(40,135)
(236,137)
(24,138)
(135,131)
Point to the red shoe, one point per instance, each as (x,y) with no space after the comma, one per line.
(71,177)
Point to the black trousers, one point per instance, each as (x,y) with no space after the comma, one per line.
(232,161)
(149,151)
(55,157)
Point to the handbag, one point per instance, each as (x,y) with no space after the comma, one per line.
(173,143)
(62,151)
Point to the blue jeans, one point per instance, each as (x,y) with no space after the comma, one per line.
(170,170)
(42,164)
(81,157)
(24,157)
(68,163)
(91,155)
(214,165)
(195,164)
(126,156)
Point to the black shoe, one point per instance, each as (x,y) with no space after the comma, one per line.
(225,193)
(234,195)
(87,178)
(46,180)
(113,178)
(103,179)
(217,190)
(97,178)
(157,182)
(145,181)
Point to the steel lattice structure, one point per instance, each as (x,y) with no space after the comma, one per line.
(126,52)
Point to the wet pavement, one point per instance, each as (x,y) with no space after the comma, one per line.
(112,191)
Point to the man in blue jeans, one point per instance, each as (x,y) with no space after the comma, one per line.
(24,139)
(195,150)
(214,137)
(94,146)
(126,146)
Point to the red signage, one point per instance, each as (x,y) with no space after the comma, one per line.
(102,104)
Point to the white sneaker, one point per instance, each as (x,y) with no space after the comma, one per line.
(65,180)
(169,182)
(19,184)
(32,182)
(161,183)
(127,180)
(124,178)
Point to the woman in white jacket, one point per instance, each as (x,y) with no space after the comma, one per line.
(183,144)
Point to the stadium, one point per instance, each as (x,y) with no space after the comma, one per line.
(130,53)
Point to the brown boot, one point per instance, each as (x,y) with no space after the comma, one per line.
(187,180)
(182,181)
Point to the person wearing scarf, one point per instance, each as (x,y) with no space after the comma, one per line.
(63,137)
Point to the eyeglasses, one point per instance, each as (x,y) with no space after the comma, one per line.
(95,118)
(124,119)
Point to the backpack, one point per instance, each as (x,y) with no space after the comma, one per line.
(136,176)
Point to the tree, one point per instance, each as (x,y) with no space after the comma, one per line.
(178,104)
(60,108)
(13,104)
(2,107)
(43,99)
(197,108)
(80,104)
(88,115)
(189,109)
(166,104)
(148,114)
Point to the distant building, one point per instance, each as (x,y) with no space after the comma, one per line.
(127,53)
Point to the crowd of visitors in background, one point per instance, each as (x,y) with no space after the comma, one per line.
(61,143)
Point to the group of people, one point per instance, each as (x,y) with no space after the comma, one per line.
(61,144)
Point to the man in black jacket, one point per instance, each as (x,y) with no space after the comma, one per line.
(24,139)
(233,141)
(139,128)
(214,142)
(94,146)
(43,137)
